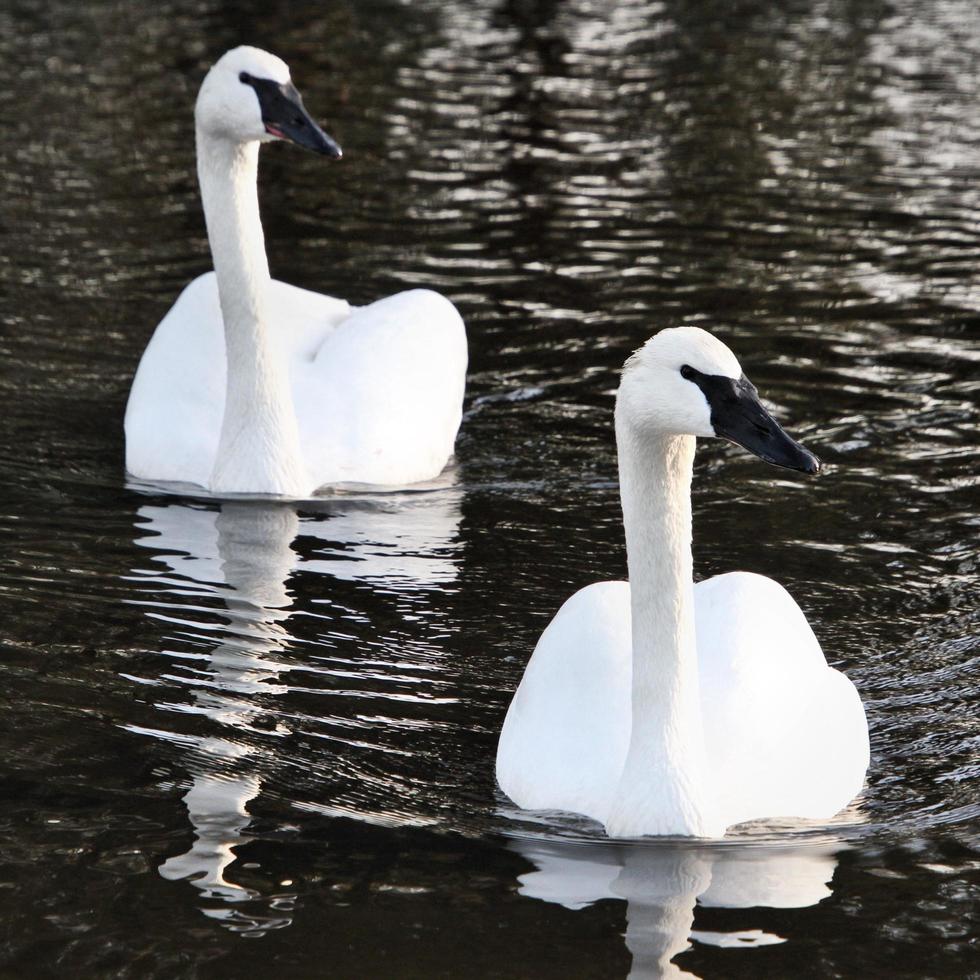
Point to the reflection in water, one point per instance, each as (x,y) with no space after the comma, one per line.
(244,552)
(253,557)
(663,882)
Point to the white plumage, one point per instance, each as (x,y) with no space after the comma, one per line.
(251,385)
(663,707)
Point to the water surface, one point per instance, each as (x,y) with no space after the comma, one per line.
(251,736)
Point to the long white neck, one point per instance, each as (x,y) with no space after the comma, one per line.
(662,786)
(259,447)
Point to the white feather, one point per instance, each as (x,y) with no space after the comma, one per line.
(251,385)
(663,707)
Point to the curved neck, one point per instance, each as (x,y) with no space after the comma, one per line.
(228,173)
(258,449)
(662,787)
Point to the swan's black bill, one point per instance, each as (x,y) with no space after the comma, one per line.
(285,116)
(739,416)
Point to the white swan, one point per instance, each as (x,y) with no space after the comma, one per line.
(251,385)
(663,707)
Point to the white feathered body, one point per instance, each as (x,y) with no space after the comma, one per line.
(784,733)
(377,390)
(252,386)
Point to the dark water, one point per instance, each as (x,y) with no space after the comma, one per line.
(257,739)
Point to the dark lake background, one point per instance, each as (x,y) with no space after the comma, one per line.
(244,739)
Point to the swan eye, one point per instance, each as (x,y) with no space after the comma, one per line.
(245,78)
(687,372)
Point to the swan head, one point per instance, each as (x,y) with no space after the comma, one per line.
(247,96)
(684,381)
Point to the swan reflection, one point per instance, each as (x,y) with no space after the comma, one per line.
(662,883)
(243,553)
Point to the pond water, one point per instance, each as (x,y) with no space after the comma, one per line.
(246,738)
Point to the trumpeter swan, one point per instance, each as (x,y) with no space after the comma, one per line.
(659,706)
(250,385)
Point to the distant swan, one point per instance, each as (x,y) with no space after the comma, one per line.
(663,707)
(249,385)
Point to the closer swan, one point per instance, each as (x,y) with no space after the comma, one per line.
(659,706)
(250,385)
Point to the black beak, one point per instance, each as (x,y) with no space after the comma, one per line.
(285,116)
(739,416)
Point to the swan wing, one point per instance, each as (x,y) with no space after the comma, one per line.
(381,399)
(173,416)
(303,320)
(567,730)
(786,734)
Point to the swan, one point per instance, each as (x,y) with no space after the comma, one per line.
(250,385)
(661,707)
